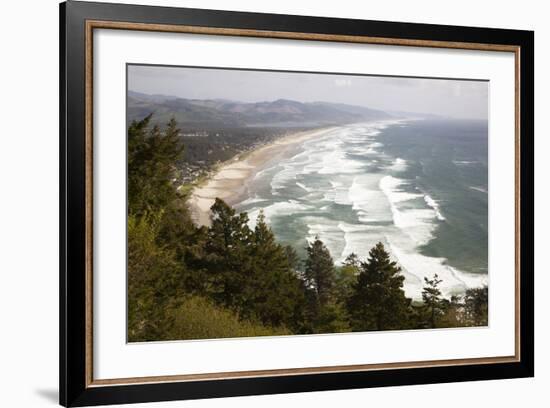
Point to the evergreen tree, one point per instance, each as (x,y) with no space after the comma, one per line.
(378,301)
(227,254)
(433,303)
(275,293)
(319,271)
(293,259)
(476,306)
(453,316)
(352,260)
(324,313)
(346,277)
(177,231)
(152,158)
(155,280)
(156,275)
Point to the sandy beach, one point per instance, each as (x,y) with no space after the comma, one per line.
(229,182)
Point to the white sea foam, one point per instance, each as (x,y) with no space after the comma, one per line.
(398,165)
(277,209)
(282,177)
(252,200)
(264,172)
(336,162)
(417,223)
(328,232)
(358,239)
(362,149)
(418,266)
(337,193)
(358,195)
(368,201)
(480,189)
(392,187)
(432,203)
(302,186)
(364,217)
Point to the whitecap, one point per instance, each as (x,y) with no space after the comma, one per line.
(252,200)
(282,177)
(392,187)
(417,266)
(281,208)
(368,201)
(417,223)
(398,165)
(480,189)
(433,204)
(328,232)
(302,186)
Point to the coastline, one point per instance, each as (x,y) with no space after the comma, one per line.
(229,181)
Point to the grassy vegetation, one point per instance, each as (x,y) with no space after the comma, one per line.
(200,318)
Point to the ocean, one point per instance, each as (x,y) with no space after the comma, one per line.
(418,186)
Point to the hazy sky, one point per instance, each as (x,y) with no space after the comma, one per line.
(452,98)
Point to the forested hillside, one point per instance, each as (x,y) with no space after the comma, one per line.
(222,113)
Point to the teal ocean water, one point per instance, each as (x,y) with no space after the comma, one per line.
(419,186)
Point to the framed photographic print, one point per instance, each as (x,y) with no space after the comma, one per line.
(256,203)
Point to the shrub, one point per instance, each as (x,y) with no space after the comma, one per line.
(198,318)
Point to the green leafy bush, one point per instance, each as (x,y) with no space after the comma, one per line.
(199,318)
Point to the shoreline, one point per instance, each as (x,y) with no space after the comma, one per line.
(229,181)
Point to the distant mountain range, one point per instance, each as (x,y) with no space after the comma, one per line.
(212,113)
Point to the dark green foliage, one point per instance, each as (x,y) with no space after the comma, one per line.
(155,279)
(433,303)
(324,311)
(464,311)
(452,313)
(245,272)
(152,155)
(378,301)
(292,257)
(476,306)
(253,274)
(178,232)
(277,295)
(319,274)
(227,255)
(346,276)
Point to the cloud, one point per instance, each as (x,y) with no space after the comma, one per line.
(444,97)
